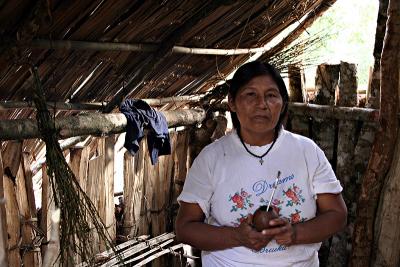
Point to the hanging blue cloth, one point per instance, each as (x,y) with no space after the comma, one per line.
(140,115)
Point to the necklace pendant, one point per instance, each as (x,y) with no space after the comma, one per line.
(261,161)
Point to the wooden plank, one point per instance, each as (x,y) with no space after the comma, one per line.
(109,219)
(11,161)
(138,248)
(3,221)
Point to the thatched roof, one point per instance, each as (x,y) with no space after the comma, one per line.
(203,24)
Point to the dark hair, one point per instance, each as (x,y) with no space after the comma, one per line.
(253,69)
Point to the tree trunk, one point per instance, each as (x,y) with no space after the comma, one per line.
(385,138)
(93,123)
(387,230)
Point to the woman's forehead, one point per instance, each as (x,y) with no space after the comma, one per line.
(264,81)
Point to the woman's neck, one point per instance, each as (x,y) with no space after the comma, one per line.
(257,139)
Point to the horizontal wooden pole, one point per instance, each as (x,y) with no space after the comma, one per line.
(4,105)
(109,46)
(324,111)
(91,124)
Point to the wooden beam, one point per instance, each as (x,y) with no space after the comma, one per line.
(91,124)
(109,46)
(385,140)
(4,105)
(324,111)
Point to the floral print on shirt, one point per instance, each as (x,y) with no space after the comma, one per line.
(241,201)
(294,193)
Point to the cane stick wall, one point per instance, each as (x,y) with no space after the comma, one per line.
(150,192)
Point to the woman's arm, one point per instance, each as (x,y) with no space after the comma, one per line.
(331,218)
(191,229)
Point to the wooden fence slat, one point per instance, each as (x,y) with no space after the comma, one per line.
(79,160)
(149,175)
(48,206)
(11,162)
(95,189)
(109,206)
(29,256)
(3,221)
(140,197)
(129,201)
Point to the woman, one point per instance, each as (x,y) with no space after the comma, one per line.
(235,175)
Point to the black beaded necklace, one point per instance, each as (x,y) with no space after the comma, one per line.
(251,153)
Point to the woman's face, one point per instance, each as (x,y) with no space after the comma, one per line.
(258,105)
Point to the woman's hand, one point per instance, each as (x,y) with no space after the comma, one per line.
(251,238)
(282,231)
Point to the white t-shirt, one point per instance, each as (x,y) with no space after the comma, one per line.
(228,183)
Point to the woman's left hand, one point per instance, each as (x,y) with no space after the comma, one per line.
(283,231)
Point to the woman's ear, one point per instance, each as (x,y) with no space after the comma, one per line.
(231,103)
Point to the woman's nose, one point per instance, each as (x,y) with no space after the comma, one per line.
(262,102)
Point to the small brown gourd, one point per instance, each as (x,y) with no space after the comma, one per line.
(262,217)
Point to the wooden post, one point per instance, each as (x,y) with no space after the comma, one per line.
(297,124)
(3,221)
(323,131)
(295,84)
(339,252)
(11,162)
(385,139)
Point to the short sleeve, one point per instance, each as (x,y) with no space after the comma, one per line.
(324,179)
(198,187)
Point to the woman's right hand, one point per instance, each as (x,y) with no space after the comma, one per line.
(249,237)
